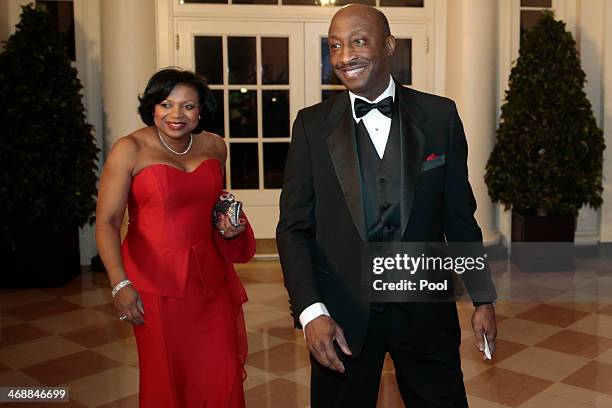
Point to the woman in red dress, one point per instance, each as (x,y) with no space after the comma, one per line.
(172,276)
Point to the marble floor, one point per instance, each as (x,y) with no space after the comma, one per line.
(553,354)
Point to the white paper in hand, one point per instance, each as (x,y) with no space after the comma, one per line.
(487,349)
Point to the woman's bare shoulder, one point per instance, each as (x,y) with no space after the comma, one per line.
(127,148)
(214,146)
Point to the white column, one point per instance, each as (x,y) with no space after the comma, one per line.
(472,82)
(128,61)
(606,209)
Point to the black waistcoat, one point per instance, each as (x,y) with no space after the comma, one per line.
(381,182)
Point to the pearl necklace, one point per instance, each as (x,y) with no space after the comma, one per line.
(171,149)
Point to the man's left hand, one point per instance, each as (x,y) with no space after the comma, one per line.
(484,323)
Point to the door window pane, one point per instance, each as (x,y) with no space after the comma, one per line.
(275,113)
(345,2)
(242,60)
(243,113)
(536,3)
(275,155)
(215,123)
(401,3)
(328,93)
(244,167)
(254,2)
(529,18)
(401,61)
(209,58)
(274,60)
(204,1)
(62,15)
(328,77)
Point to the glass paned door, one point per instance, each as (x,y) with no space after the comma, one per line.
(409,64)
(256,72)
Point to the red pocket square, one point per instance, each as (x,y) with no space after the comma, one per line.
(431,157)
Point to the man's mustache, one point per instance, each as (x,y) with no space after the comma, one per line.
(351,63)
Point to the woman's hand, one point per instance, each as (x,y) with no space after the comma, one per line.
(128,304)
(227,230)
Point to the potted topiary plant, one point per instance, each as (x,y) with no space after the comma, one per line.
(547,160)
(47,157)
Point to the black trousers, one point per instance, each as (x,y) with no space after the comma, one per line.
(427,376)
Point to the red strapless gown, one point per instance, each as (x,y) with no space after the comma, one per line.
(193,346)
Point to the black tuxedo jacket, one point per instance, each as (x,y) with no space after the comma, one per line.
(322,227)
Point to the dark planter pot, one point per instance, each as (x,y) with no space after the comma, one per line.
(543,243)
(41,258)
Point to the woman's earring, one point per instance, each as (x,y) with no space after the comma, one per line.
(199,116)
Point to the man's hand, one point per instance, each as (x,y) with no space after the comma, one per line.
(320,335)
(483,322)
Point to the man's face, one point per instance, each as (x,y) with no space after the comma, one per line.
(359,51)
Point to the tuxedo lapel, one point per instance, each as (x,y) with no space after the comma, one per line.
(412,145)
(343,152)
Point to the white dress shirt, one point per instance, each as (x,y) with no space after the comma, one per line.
(378,126)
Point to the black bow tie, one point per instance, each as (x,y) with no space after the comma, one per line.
(385,107)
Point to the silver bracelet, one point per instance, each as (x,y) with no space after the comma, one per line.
(120,286)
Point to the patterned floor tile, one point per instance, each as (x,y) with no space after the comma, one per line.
(505,387)
(567,396)
(525,331)
(278,393)
(8,320)
(576,343)
(42,309)
(100,334)
(281,328)
(607,310)
(129,402)
(256,377)
(594,376)
(301,376)
(596,323)
(542,363)
(105,387)
(77,319)
(281,359)
(552,315)
(68,368)
(259,341)
(37,351)
(96,297)
(14,298)
(388,393)
(20,333)
(118,351)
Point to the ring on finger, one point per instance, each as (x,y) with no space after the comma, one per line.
(222,232)
(123,318)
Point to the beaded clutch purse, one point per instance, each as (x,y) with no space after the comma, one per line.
(228,205)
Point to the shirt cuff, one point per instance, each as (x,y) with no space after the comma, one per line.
(312,312)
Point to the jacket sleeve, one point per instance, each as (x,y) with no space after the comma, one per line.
(459,208)
(239,249)
(295,233)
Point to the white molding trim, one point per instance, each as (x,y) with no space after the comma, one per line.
(88,39)
(438,43)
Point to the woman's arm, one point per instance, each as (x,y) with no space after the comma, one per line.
(113,192)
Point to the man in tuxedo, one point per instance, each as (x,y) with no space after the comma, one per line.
(377,163)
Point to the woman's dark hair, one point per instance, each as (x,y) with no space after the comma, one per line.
(163,82)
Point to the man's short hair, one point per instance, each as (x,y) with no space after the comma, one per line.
(383,23)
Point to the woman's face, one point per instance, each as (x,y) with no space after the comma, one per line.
(178,114)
